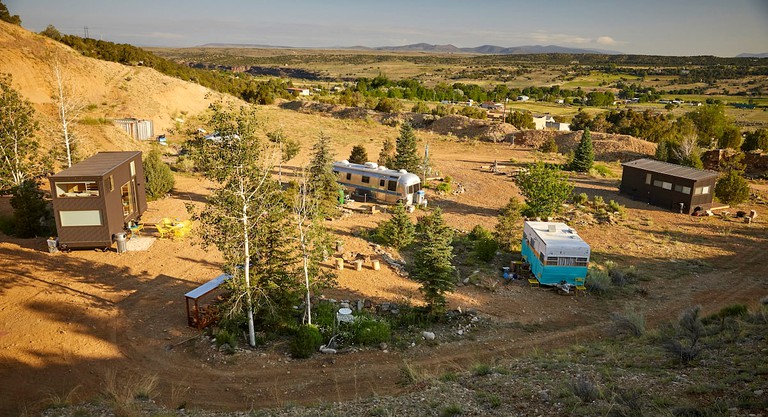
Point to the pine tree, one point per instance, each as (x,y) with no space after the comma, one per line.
(158,176)
(29,208)
(584,156)
(398,231)
(507,231)
(358,155)
(387,154)
(406,155)
(732,188)
(432,261)
(322,180)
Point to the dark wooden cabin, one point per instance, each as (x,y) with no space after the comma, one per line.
(674,187)
(97,197)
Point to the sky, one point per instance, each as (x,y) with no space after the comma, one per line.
(651,27)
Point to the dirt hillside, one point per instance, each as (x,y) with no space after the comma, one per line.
(107,90)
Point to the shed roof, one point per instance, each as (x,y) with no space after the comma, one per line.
(208,287)
(98,165)
(671,169)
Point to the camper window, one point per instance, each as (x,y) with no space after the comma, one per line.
(349,176)
(392,186)
(77,189)
(382,182)
(366,179)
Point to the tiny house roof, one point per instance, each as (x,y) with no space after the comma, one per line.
(562,240)
(98,165)
(671,169)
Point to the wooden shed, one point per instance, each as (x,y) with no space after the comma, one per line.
(97,197)
(674,187)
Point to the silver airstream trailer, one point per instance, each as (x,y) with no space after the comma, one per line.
(374,182)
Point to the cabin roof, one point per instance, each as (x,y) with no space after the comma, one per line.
(98,165)
(563,236)
(674,170)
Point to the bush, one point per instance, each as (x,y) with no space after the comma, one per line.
(485,249)
(306,341)
(732,188)
(30,211)
(580,199)
(369,332)
(224,337)
(389,105)
(549,145)
(602,170)
(584,389)
(597,281)
(444,187)
(631,323)
(682,340)
(158,176)
(733,310)
(420,107)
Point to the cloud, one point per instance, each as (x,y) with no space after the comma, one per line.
(544,37)
(606,40)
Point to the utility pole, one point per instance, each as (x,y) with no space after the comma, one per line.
(85,31)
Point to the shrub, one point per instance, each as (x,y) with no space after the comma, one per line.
(733,310)
(30,211)
(732,188)
(580,199)
(630,322)
(420,107)
(549,145)
(158,175)
(389,105)
(368,331)
(444,187)
(597,281)
(682,340)
(478,232)
(358,155)
(451,410)
(584,389)
(306,341)
(224,337)
(602,170)
(486,248)
(615,207)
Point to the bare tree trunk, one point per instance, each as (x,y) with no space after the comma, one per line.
(69,109)
(247,272)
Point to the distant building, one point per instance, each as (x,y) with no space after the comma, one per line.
(299,91)
(523,98)
(489,105)
(674,187)
(137,128)
(559,101)
(561,127)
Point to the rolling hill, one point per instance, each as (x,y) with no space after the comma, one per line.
(106,90)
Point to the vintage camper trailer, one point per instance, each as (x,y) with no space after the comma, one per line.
(97,197)
(554,252)
(378,183)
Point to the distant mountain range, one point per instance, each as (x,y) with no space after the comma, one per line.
(747,55)
(426,47)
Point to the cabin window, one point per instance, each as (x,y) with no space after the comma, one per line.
(133,168)
(683,189)
(701,190)
(382,182)
(80,218)
(666,185)
(349,176)
(657,183)
(392,186)
(127,198)
(366,179)
(647,178)
(77,189)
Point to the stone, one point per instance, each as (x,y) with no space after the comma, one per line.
(383,346)
(460,332)
(359,305)
(344,304)
(428,335)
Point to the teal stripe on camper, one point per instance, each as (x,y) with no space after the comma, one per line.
(552,274)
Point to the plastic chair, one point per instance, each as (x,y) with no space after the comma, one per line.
(533,282)
(135,228)
(580,285)
(182,229)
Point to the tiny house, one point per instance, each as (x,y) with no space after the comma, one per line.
(96,198)
(674,187)
(555,252)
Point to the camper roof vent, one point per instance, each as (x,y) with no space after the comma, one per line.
(552,228)
(344,162)
(402,171)
(382,168)
(372,165)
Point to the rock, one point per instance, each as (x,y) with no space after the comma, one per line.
(758,392)
(460,332)
(367,304)
(383,346)
(395,311)
(344,305)
(544,395)
(359,305)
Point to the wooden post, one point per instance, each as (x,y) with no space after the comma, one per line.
(358,265)
(376,265)
(340,263)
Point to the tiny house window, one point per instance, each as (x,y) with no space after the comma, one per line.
(666,185)
(77,189)
(705,190)
(80,218)
(366,179)
(127,198)
(647,178)
(111,183)
(657,183)
(133,168)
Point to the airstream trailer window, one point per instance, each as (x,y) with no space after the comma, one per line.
(349,176)
(392,186)
(381,182)
(77,189)
(366,179)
